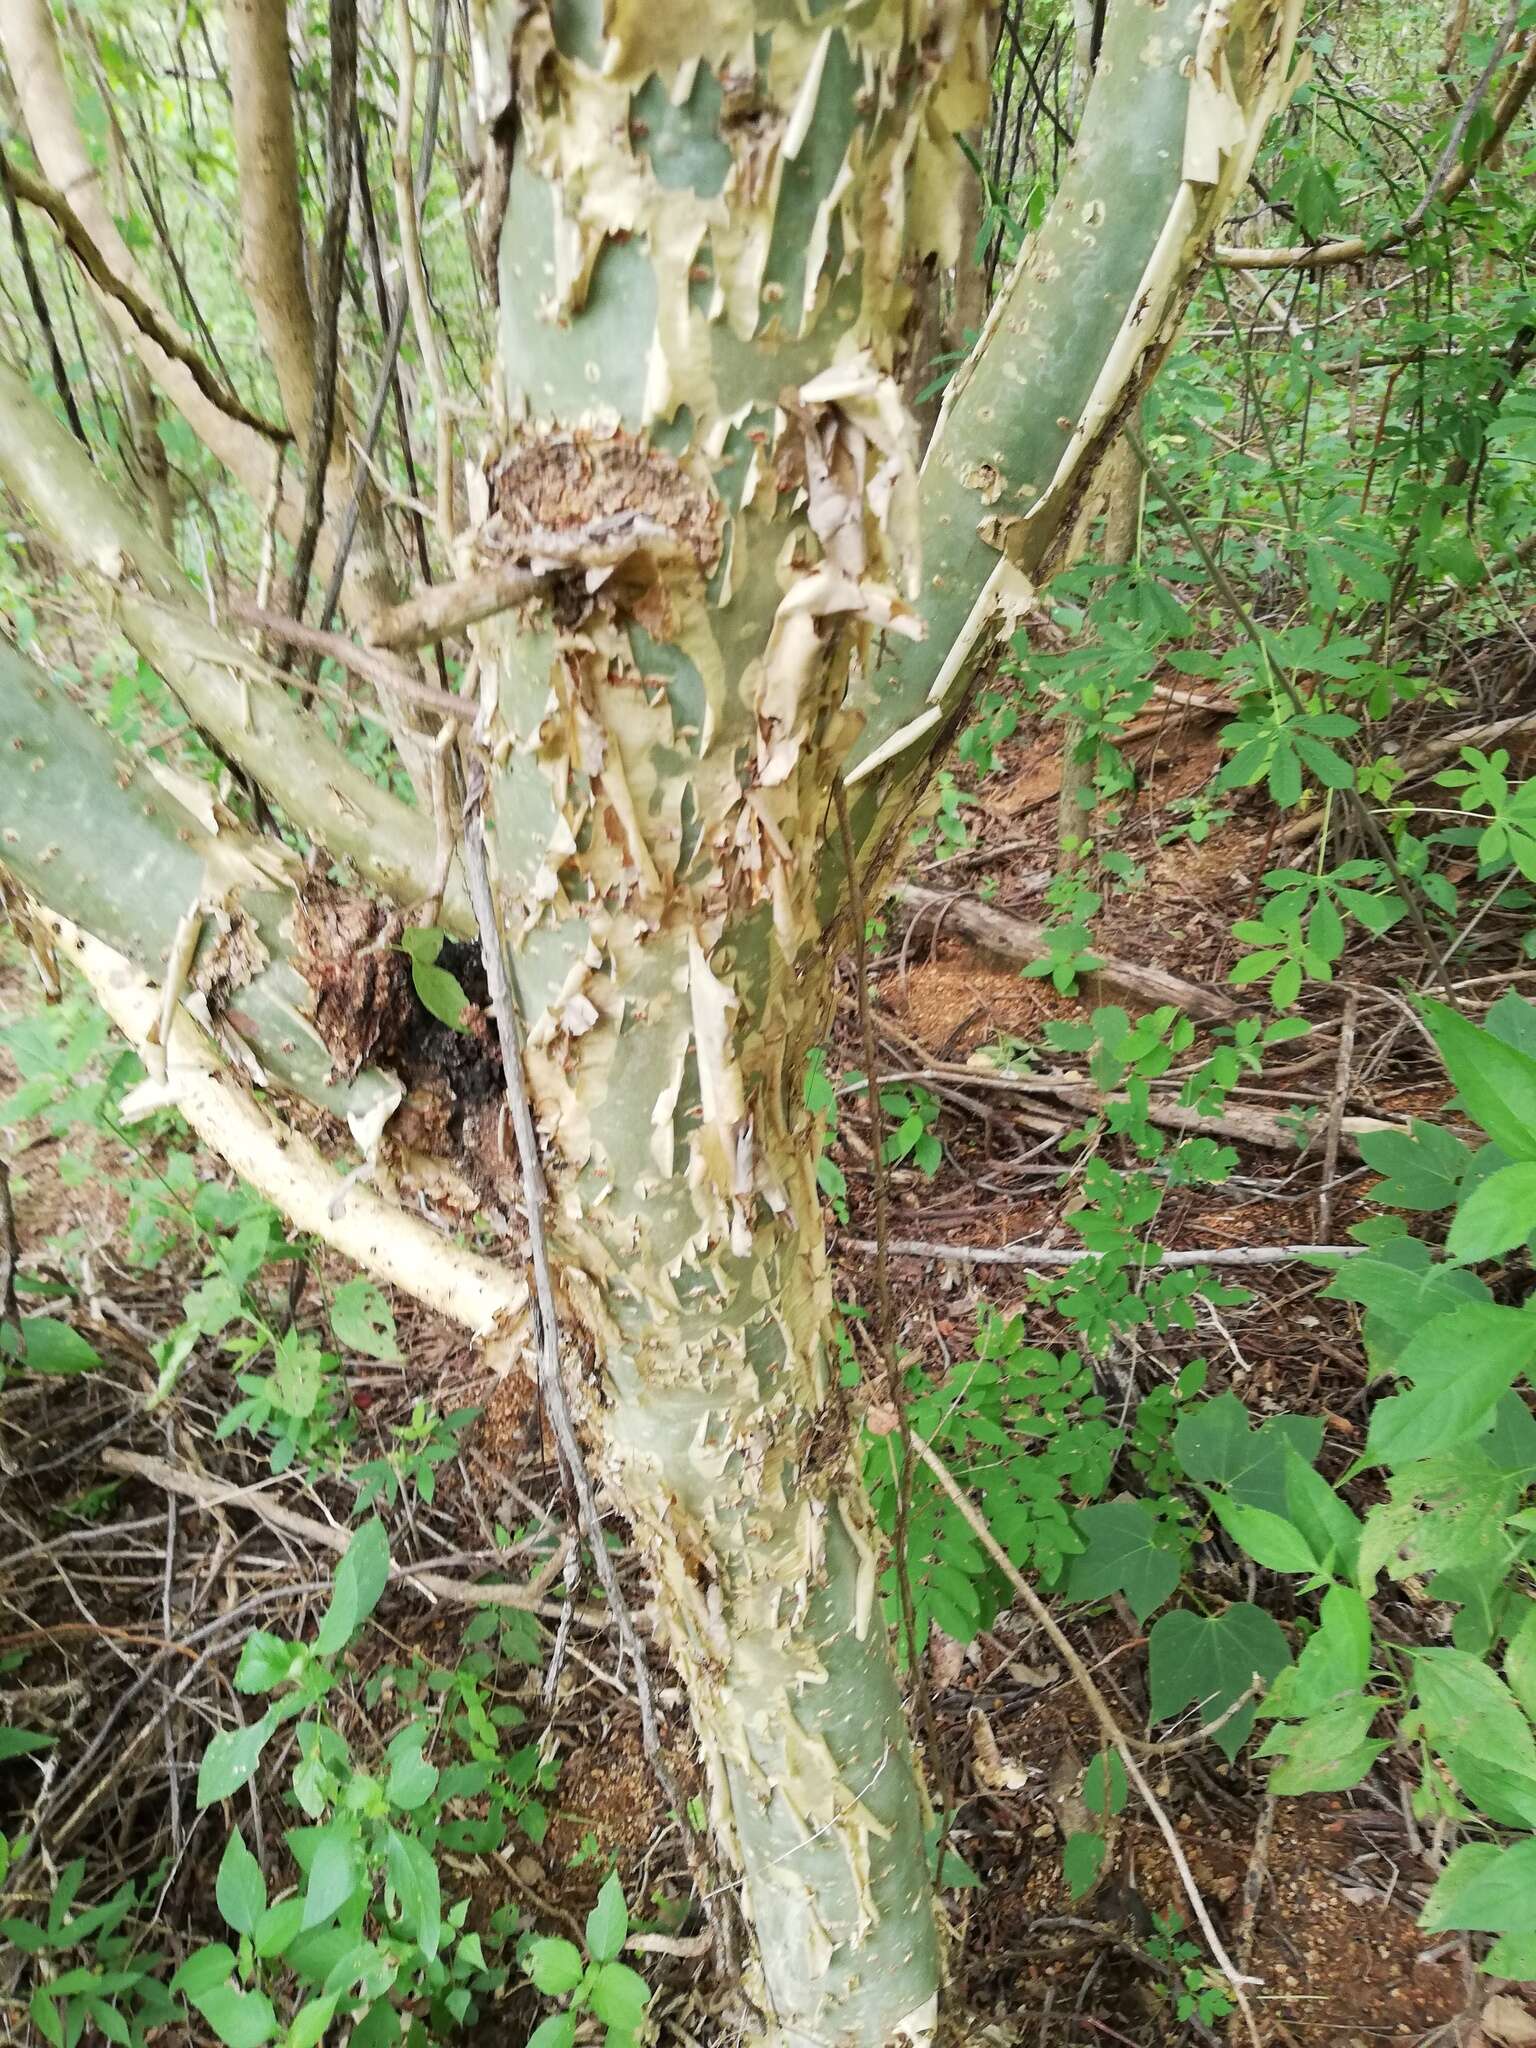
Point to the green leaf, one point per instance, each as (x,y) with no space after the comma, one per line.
(241,2019)
(47,1345)
(1462,1365)
(422,943)
(277,1927)
(1125,1551)
(1485,1890)
(619,1996)
(1495,1081)
(438,991)
(362,1320)
(1466,1706)
(1082,1858)
(308,2025)
(1520,1662)
(1329,1526)
(110,2022)
(23,1742)
(333,1875)
(1498,1214)
(204,1968)
(608,1921)
(231,1758)
(1336,1660)
(1105,1785)
(555,1965)
(1512,1956)
(1420,1169)
(413,1873)
(1328,1753)
(1210,1661)
(266,1662)
(411,1778)
(240,1889)
(1444,1514)
(558,2031)
(1270,1540)
(360,1579)
(1216,1443)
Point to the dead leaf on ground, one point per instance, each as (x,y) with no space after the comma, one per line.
(1509,2022)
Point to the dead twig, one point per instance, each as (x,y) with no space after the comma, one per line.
(1336,1113)
(10,1255)
(1108,1725)
(1028,1255)
(1021,942)
(1253,1888)
(368,664)
(212,1493)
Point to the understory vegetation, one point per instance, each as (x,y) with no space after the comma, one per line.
(1174,1129)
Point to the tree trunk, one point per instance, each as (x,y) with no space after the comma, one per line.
(710,215)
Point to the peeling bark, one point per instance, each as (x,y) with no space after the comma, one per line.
(712,215)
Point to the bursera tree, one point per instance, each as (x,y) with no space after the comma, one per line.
(721,626)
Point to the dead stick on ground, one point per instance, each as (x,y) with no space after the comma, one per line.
(1067,1255)
(1109,1726)
(1253,1887)
(1336,1114)
(1020,942)
(212,1493)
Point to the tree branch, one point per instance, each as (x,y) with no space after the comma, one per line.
(212,1493)
(146,319)
(389,1242)
(333,249)
(225,690)
(261,97)
(1449,179)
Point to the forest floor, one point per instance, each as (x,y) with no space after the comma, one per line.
(100,1580)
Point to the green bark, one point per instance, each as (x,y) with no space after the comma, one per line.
(701,299)
(94,835)
(711,214)
(226,691)
(1169,130)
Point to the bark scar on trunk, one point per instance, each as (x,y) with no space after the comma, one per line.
(368,1014)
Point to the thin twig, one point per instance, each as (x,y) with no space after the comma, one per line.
(212,1493)
(10,1255)
(1109,1726)
(1336,1113)
(885,1314)
(544,1316)
(333,249)
(411,263)
(381,393)
(1448,180)
(78,241)
(1253,1888)
(369,664)
(1028,1255)
(34,286)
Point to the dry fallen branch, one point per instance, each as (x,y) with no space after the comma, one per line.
(213,1493)
(1034,1255)
(1021,942)
(1109,1726)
